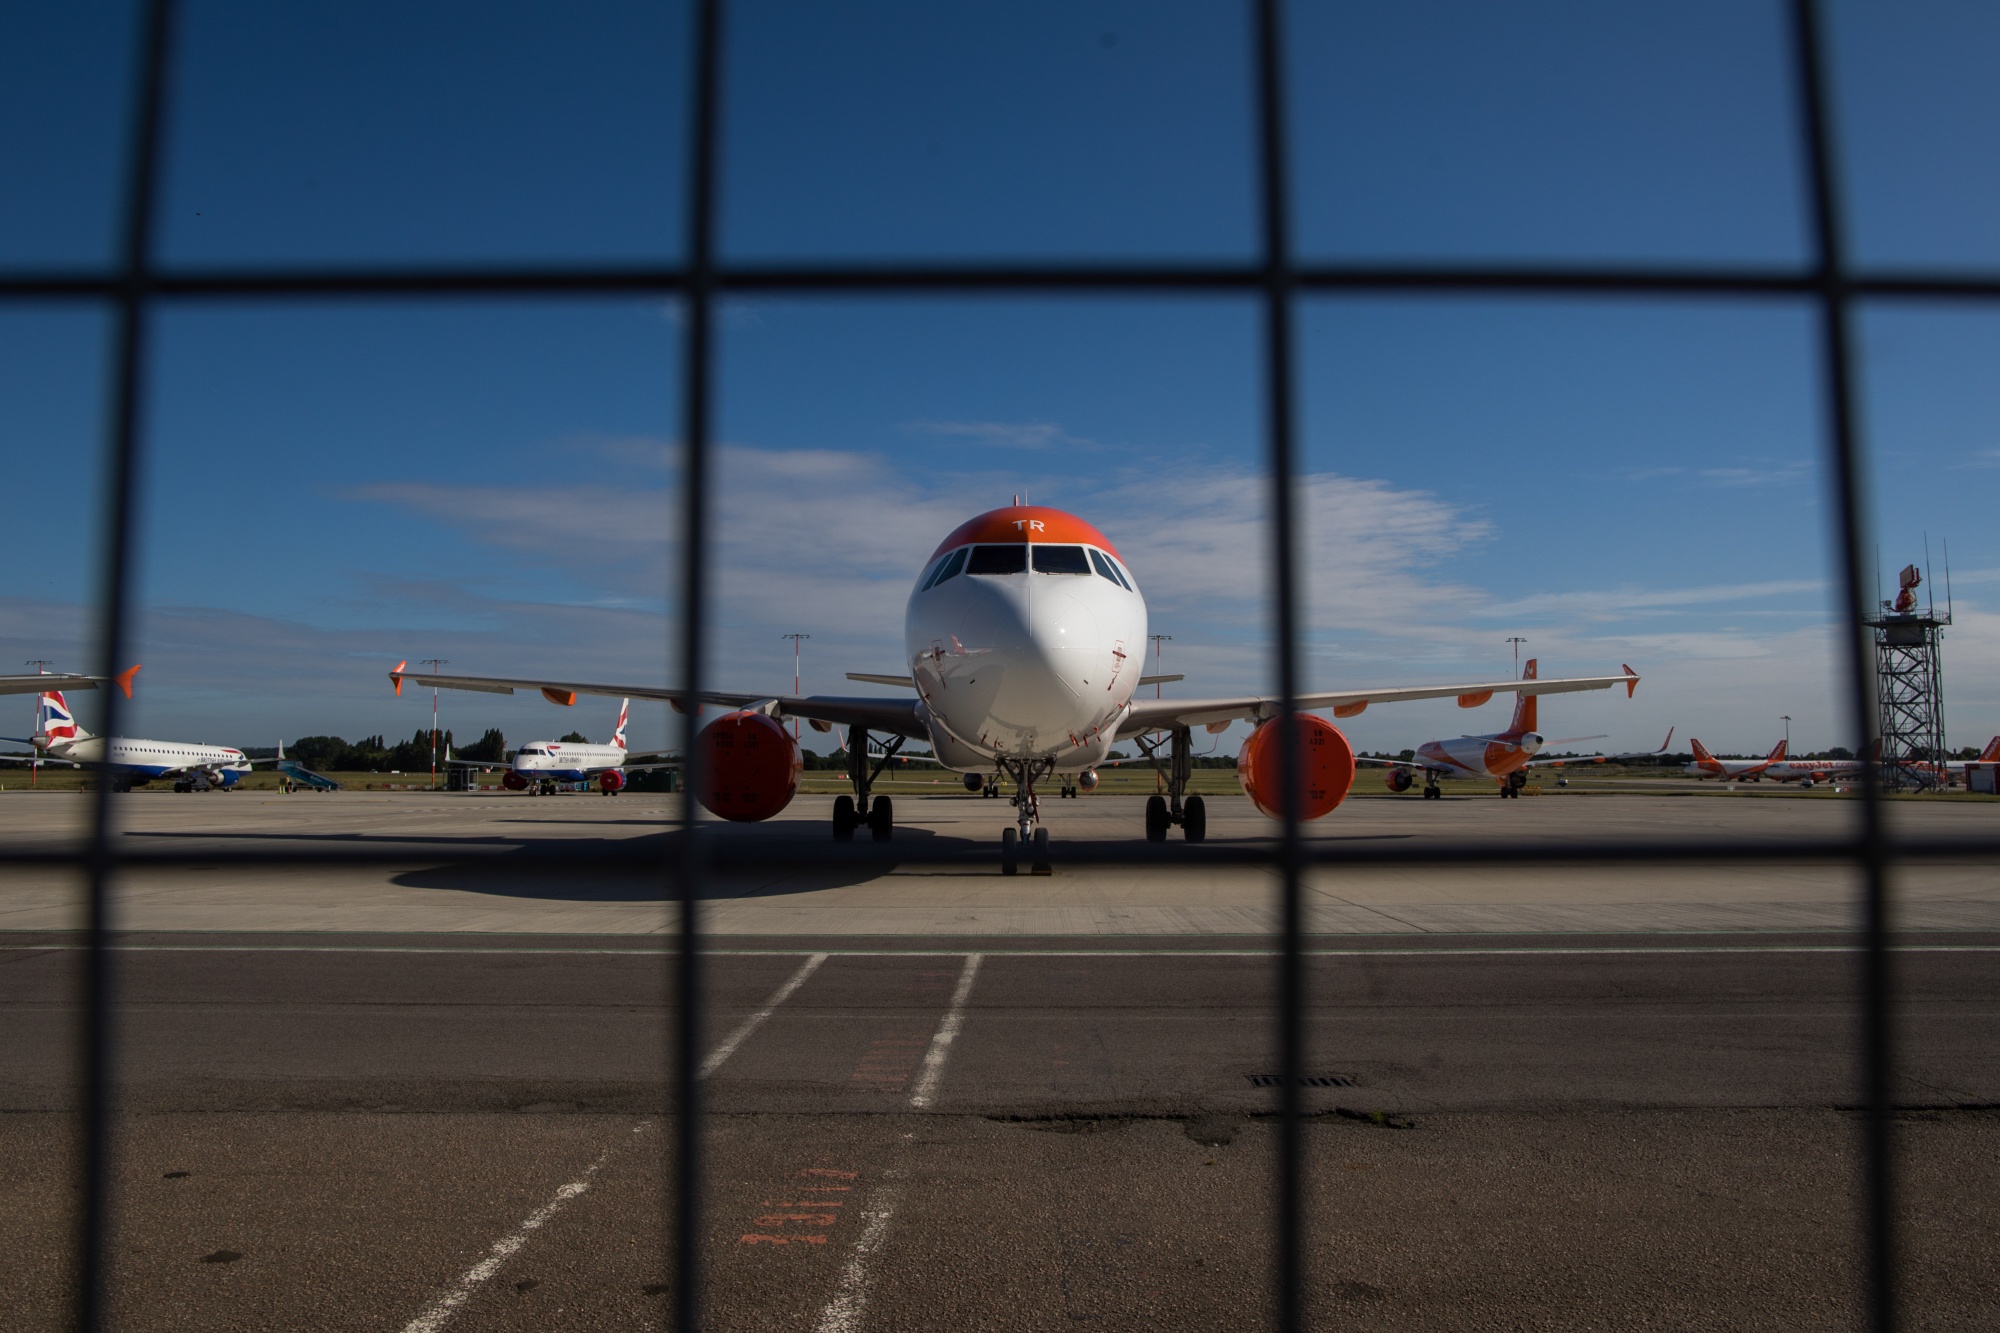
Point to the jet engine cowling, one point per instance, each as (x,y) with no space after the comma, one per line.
(513,781)
(1398,779)
(749,767)
(1326,767)
(1087,780)
(611,782)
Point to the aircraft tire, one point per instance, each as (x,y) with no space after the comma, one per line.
(1157,820)
(843,818)
(1038,860)
(882,819)
(1010,851)
(1194,820)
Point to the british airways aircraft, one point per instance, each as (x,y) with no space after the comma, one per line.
(1023,637)
(539,765)
(58,739)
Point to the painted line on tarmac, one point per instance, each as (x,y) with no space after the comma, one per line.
(946,1034)
(440,1311)
(1440,952)
(850,1299)
(756,1020)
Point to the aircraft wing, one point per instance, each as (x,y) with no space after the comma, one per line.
(1416,764)
(1215,714)
(66,681)
(1603,758)
(898,716)
(34,759)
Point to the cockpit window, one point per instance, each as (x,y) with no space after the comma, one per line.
(1061,560)
(948,568)
(998,560)
(1107,569)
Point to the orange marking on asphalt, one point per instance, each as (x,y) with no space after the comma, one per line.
(752,1238)
(779,1219)
(831,1174)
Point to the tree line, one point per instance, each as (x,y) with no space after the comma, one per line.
(372,754)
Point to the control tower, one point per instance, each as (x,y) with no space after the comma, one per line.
(1909,688)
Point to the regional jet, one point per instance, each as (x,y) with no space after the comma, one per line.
(1706,765)
(1023,638)
(57,739)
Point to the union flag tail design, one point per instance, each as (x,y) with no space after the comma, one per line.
(618,736)
(1524,706)
(54,723)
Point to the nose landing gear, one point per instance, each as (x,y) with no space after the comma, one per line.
(1027,828)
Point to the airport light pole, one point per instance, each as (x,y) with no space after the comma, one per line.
(434,663)
(1159,656)
(1787,720)
(1517,641)
(41,666)
(795,638)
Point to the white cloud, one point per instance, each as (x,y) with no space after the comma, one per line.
(1005,434)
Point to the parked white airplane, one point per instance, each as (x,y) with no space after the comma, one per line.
(539,765)
(57,739)
(1505,756)
(1023,638)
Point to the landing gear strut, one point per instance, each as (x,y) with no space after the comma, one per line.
(1027,830)
(1163,812)
(852,812)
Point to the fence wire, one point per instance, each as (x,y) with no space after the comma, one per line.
(138,288)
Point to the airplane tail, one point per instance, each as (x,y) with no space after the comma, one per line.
(624,710)
(1701,754)
(1991,754)
(54,723)
(1524,706)
(1777,755)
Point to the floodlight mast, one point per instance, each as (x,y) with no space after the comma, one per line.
(1517,641)
(1159,657)
(434,663)
(796,639)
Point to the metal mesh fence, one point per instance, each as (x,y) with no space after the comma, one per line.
(140,287)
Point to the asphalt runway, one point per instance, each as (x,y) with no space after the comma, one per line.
(1000,1105)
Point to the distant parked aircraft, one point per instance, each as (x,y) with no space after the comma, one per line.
(58,739)
(1706,765)
(539,765)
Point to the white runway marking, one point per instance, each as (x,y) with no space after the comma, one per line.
(843,1313)
(946,1034)
(444,1307)
(752,1023)
(1439,952)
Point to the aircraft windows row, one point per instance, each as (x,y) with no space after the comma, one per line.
(998,560)
(947,568)
(1108,569)
(1061,560)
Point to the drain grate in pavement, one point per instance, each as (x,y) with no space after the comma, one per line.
(1305,1080)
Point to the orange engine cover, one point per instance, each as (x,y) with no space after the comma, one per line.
(1326,765)
(750,767)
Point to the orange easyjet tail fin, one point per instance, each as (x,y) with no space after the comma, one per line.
(1777,755)
(1524,705)
(1991,754)
(1701,754)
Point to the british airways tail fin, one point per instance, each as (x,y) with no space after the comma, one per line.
(624,710)
(1524,705)
(54,723)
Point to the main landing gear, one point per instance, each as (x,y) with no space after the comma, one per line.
(1511,784)
(857,811)
(1163,812)
(1432,792)
(1027,831)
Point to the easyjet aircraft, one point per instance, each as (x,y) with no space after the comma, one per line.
(1706,765)
(1505,756)
(1023,639)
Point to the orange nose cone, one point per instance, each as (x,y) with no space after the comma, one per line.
(750,767)
(1326,767)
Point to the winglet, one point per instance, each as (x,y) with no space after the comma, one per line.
(124,678)
(1632,685)
(1669,740)
(397,676)
(567,698)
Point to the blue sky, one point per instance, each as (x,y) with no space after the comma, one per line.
(332,486)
